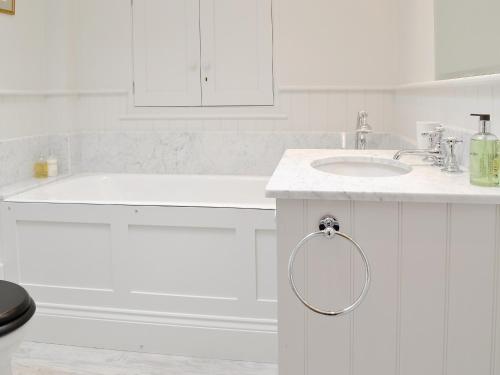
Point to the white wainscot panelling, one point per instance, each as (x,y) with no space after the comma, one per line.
(155,279)
(300,109)
(448,103)
(432,305)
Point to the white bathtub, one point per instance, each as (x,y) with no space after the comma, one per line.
(154,190)
(163,264)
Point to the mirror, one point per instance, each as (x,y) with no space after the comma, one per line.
(467,38)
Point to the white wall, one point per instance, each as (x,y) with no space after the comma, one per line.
(449,102)
(317,43)
(336,42)
(416,41)
(103,44)
(86,46)
(450,105)
(24,42)
(37,46)
(37,43)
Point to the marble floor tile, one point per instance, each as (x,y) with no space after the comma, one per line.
(47,359)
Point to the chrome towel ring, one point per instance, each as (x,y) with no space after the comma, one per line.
(329,227)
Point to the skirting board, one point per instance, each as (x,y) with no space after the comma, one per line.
(252,340)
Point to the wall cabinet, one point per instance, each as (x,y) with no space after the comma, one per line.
(202,52)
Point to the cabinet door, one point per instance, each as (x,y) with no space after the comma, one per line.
(166,53)
(236,45)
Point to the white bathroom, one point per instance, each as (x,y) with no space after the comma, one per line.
(249,187)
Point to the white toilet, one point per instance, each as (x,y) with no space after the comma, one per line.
(16,309)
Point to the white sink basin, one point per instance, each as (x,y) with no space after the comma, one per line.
(361,166)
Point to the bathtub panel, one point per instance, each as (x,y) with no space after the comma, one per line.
(69,255)
(237,265)
(143,286)
(266,265)
(184,262)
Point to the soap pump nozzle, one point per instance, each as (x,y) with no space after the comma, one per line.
(484,119)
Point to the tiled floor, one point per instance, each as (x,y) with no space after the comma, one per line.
(44,359)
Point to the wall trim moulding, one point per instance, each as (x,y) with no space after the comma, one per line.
(458,82)
(152,317)
(285,89)
(205,117)
(145,331)
(62,93)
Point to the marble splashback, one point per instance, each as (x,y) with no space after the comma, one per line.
(18,155)
(224,152)
(170,152)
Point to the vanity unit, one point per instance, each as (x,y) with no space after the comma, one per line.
(432,266)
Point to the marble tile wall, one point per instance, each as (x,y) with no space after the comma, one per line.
(113,136)
(33,123)
(203,152)
(174,152)
(18,155)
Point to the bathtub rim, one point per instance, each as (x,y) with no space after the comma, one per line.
(267,205)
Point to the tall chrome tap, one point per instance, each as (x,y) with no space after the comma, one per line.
(362,129)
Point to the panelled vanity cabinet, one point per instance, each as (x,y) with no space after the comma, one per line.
(202,53)
(432,307)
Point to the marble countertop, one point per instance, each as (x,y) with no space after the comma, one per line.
(295,178)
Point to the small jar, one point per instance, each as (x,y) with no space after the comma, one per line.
(52,167)
(40,168)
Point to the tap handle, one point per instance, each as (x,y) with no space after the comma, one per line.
(434,136)
(452,141)
(451,164)
(437,129)
(362,118)
(362,114)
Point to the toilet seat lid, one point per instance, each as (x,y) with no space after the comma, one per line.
(14,302)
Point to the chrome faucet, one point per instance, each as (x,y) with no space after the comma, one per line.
(435,152)
(451,165)
(362,129)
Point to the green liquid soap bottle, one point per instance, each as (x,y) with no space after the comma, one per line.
(483,155)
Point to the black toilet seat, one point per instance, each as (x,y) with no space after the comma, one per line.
(16,307)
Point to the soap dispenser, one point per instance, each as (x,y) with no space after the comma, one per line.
(483,154)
